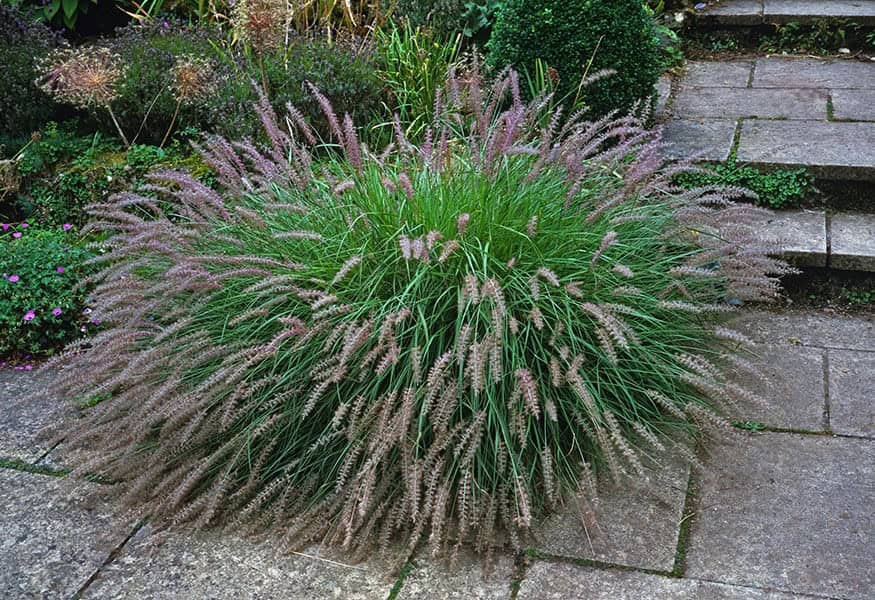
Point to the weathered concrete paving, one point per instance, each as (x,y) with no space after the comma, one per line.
(790,112)
(52,539)
(25,410)
(616,535)
(758,12)
(789,512)
(212,565)
(558,581)
(781,516)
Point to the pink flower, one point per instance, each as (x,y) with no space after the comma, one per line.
(16,235)
(67,227)
(5,226)
(60,269)
(24,225)
(56,311)
(29,315)
(14,278)
(28,367)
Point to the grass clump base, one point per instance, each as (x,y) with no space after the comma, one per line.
(434,344)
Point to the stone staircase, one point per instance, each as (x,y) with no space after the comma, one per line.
(776,111)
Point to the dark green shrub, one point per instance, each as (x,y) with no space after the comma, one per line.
(579,39)
(436,343)
(40,307)
(23,106)
(782,188)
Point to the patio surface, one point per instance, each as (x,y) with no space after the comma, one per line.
(782,513)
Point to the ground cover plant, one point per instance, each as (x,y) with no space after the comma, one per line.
(438,342)
(41,307)
(782,188)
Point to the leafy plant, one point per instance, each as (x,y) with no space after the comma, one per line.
(63,13)
(821,36)
(414,65)
(582,39)
(781,188)
(434,342)
(41,307)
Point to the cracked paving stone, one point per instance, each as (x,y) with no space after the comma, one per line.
(25,410)
(216,565)
(53,536)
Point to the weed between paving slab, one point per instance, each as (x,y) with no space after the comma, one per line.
(688,515)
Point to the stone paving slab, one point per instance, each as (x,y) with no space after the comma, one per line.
(829,150)
(633,527)
(52,538)
(466,580)
(805,11)
(852,392)
(791,380)
(212,565)
(25,411)
(854,105)
(793,72)
(788,512)
(734,103)
(712,73)
(663,94)
(853,242)
(734,12)
(801,234)
(558,581)
(703,139)
(807,328)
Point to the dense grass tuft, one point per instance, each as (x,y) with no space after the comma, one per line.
(436,343)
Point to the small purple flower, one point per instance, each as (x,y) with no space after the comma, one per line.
(95,322)
(16,235)
(28,367)
(67,227)
(60,269)
(14,278)
(5,226)
(25,225)
(56,311)
(29,315)
(87,311)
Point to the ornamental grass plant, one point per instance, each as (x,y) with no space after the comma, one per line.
(434,344)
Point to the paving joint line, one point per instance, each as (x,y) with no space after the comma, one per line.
(689,512)
(22,466)
(749,586)
(598,564)
(114,553)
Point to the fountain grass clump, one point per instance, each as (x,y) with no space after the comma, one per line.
(436,343)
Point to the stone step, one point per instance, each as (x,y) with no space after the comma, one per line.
(747,13)
(813,238)
(775,112)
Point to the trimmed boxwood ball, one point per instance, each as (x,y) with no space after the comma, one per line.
(431,344)
(578,38)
